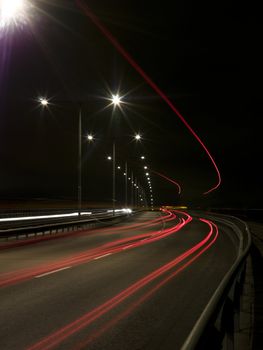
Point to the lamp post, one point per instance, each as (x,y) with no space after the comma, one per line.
(126,185)
(79,163)
(113,178)
(115,101)
(45,104)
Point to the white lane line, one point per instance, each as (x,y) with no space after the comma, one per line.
(128,246)
(54,271)
(102,256)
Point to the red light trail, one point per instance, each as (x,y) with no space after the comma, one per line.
(142,299)
(63,333)
(91,254)
(168,179)
(149,81)
(29,241)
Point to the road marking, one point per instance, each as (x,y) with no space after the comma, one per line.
(128,246)
(54,271)
(102,256)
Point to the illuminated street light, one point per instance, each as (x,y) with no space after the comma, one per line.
(145,167)
(12,12)
(116,100)
(109,158)
(137,137)
(142,157)
(43,101)
(90,137)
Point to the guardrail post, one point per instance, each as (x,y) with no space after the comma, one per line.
(228,324)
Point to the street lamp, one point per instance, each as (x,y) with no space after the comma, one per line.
(44,102)
(137,137)
(12,12)
(90,137)
(116,101)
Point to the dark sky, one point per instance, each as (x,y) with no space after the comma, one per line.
(205,56)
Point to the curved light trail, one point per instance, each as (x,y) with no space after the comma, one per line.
(56,338)
(144,297)
(149,81)
(113,247)
(34,240)
(168,179)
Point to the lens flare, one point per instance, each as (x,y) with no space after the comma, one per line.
(12,12)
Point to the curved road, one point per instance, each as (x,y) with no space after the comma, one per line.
(141,284)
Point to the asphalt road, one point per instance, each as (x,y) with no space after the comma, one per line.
(139,285)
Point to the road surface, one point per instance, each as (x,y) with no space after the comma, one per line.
(141,284)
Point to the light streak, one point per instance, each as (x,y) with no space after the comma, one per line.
(38,217)
(168,179)
(63,333)
(29,241)
(144,297)
(150,82)
(112,247)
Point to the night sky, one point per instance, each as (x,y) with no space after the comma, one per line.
(205,56)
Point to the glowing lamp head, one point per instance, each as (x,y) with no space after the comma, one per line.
(137,137)
(12,12)
(109,158)
(43,102)
(116,100)
(90,137)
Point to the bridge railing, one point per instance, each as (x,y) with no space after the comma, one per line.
(22,229)
(219,322)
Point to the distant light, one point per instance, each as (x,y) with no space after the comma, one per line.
(12,12)
(124,174)
(43,101)
(37,217)
(137,137)
(118,167)
(127,210)
(90,137)
(109,158)
(116,100)
(145,167)
(142,157)
(147,174)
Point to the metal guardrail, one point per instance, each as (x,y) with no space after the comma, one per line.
(58,226)
(219,321)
